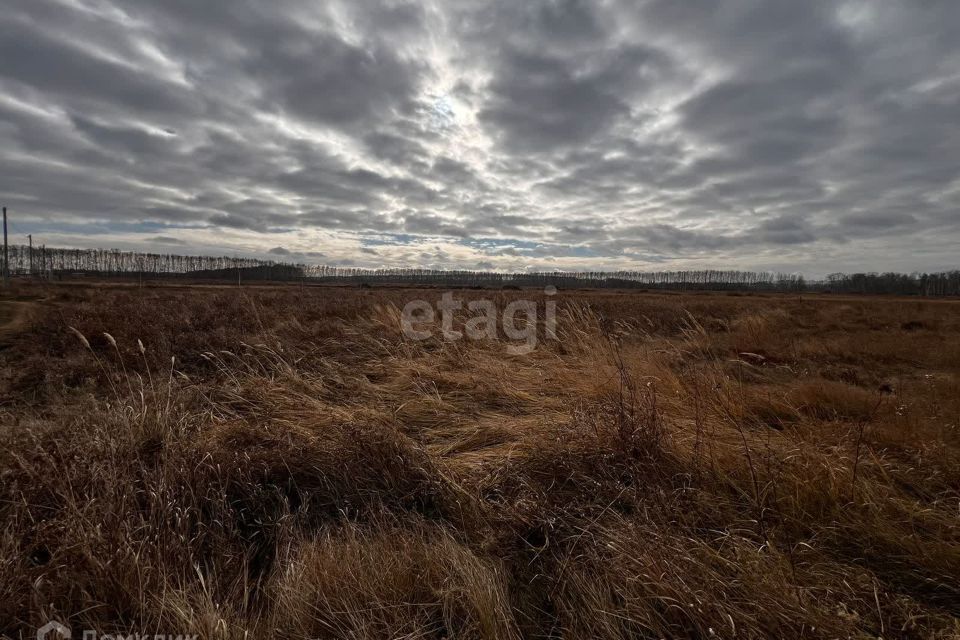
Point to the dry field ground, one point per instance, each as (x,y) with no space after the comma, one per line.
(286,463)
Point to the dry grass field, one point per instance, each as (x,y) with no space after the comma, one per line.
(285,463)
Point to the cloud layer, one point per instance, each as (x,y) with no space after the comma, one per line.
(812,136)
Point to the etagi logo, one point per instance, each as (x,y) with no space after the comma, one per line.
(418,320)
(53,630)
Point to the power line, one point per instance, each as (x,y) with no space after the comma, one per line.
(6,253)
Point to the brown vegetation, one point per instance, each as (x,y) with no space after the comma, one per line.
(282,462)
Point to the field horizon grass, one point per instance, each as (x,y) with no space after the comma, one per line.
(284,462)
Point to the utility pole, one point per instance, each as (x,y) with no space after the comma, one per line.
(6,254)
(30,238)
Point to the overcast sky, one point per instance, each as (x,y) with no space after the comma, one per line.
(788,135)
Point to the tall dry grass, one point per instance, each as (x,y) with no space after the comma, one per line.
(285,463)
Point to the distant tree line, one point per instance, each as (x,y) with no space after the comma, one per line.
(946,283)
(684,280)
(112,263)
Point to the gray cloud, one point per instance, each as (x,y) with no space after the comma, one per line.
(540,102)
(804,135)
(166,240)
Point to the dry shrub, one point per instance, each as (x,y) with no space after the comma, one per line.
(832,400)
(339,469)
(110,509)
(743,395)
(634,579)
(760,332)
(769,407)
(14,599)
(389,581)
